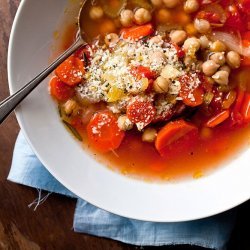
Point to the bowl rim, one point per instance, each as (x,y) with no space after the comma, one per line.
(215,210)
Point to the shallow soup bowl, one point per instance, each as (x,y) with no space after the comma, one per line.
(31,45)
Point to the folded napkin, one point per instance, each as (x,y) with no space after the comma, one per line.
(213,232)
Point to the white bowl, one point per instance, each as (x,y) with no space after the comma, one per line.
(29,50)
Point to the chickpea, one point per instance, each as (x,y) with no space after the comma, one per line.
(221,77)
(209,67)
(161,85)
(111,39)
(157,57)
(178,36)
(170,72)
(142,16)
(202,25)
(233,59)
(96,12)
(192,43)
(126,18)
(191,6)
(124,123)
(204,42)
(149,135)
(219,58)
(157,3)
(163,16)
(218,46)
(70,107)
(156,40)
(107,27)
(171,3)
(226,68)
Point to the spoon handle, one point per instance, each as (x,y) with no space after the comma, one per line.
(11,102)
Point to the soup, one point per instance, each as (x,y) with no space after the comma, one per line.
(161,92)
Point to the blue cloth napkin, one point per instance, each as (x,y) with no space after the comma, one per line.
(213,232)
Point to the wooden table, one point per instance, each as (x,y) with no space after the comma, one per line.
(50,226)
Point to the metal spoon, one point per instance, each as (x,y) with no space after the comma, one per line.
(11,102)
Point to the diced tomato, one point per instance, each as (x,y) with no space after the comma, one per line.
(60,90)
(209,16)
(245,108)
(180,51)
(225,3)
(244,5)
(235,20)
(176,136)
(191,96)
(103,132)
(236,116)
(140,111)
(141,72)
(71,71)
(137,32)
(218,119)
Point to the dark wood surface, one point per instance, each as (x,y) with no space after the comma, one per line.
(50,226)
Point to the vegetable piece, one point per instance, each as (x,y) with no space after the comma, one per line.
(245,108)
(140,72)
(180,51)
(140,111)
(239,100)
(209,16)
(191,96)
(229,99)
(232,42)
(236,116)
(60,90)
(72,130)
(103,132)
(71,71)
(234,19)
(174,133)
(137,32)
(214,13)
(218,119)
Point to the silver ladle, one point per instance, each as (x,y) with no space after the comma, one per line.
(11,102)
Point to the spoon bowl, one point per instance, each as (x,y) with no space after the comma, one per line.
(11,102)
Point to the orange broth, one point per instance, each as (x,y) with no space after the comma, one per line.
(139,159)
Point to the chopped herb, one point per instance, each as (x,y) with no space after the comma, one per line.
(73,130)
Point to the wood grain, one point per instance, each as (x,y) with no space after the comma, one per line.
(50,226)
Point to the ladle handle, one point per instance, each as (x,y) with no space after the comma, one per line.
(11,102)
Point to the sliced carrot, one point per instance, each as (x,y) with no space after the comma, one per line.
(245,108)
(71,71)
(137,32)
(140,111)
(103,132)
(191,96)
(175,132)
(60,90)
(218,119)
